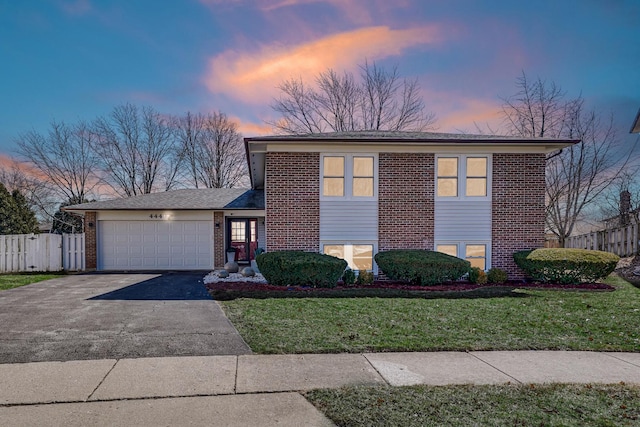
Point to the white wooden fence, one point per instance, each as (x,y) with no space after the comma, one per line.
(41,252)
(622,241)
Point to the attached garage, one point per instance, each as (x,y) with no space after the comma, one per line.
(155,245)
(174,230)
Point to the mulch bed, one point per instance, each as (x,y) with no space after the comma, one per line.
(390,289)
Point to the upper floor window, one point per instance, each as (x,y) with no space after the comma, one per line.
(465,176)
(348,176)
(333,176)
(447,176)
(363,176)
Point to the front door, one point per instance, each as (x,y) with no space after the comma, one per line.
(242,235)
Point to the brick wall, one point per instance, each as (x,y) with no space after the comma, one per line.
(90,241)
(518,207)
(293,201)
(218,240)
(405,201)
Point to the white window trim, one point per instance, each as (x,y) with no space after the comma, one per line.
(348,177)
(462,177)
(354,242)
(461,249)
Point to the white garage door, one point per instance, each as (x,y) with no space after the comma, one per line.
(155,245)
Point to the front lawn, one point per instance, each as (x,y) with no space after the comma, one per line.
(519,320)
(509,405)
(10,281)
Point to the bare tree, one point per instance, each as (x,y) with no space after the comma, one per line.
(212,150)
(136,149)
(39,195)
(620,204)
(575,176)
(63,158)
(378,100)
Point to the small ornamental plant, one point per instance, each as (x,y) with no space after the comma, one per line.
(477,276)
(348,277)
(497,276)
(364,277)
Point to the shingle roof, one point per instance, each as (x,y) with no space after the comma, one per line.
(189,199)
(399,136)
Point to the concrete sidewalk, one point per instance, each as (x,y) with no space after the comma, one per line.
(263,389)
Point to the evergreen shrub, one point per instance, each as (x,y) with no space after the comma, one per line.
(297,268)
(421,267)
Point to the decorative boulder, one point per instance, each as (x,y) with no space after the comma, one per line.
(223,274)
(231,267)
(248,272)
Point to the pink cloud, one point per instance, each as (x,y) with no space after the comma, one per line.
(467,115)
(253,77)
(252,129)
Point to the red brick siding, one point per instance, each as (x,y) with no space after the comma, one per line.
(90,241)
(292,183)
(518,210)
(405,201)
(218,239)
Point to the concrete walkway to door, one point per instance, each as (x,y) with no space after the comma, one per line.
(114,316)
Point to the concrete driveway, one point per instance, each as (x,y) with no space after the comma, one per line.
(113,316)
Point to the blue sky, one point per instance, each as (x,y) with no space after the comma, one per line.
(77,59)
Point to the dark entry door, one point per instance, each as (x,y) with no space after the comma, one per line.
(242,235)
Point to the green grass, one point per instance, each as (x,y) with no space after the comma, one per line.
(10,281)
(508,405)
(525,319)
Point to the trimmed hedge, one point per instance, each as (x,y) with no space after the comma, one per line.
(566,266)
(296,268)
(421,267)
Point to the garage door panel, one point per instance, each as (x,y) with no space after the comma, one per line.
(161,245)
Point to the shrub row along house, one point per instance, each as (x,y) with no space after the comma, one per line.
(350,195)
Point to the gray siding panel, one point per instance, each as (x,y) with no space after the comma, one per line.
(349,220)
(459,220)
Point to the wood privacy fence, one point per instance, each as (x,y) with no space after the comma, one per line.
(41,252)
(622,241)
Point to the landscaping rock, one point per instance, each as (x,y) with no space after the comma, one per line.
(231,267)
(223,274)
(248,272)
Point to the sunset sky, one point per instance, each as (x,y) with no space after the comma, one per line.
(67,60)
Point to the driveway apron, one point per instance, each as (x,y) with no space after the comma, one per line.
(113,316)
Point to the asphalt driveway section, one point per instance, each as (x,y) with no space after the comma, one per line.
(114,316)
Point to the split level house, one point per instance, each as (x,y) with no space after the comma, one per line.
(351,195)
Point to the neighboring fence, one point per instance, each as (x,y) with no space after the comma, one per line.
(41,252)
(73,252)
(622,241)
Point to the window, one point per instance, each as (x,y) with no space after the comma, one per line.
(333,177)
(448,249)
(363,176)
(465,176)
(349,176)
(359,257)
(476,176)
(475,253)
(447,176)
(238,230)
